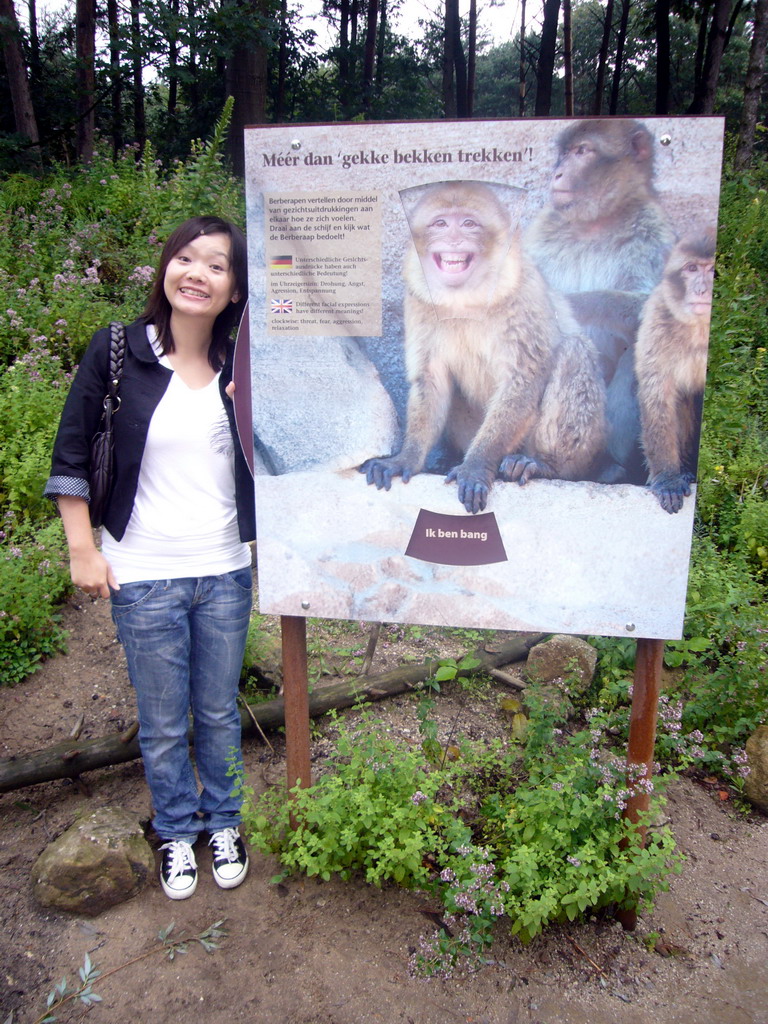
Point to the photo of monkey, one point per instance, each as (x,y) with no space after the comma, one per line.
(603,240)
(478,352)
(493,355)
(671,367)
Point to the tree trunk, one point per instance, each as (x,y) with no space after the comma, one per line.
(354,11)
(545,66)
(18,83)
(471,57)
(568,57)
(704,98)
(369,57)
(282,62)
(192,86)
(348,56)
(113,18)
(173,62)
(620,41)
(701,45)
(663,84)
(459,66)
(139,117)
(449,95)
(85,77)
(732,21)
(602,60)
(34,43)
(752,87)
(70,758)
(521,104)
(344,89)
(247,85)
(381,46)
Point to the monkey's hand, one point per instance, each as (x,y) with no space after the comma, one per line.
(670,489)
(381,471)
(524,468)
(474,485)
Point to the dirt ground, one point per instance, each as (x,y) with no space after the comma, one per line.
(306,952)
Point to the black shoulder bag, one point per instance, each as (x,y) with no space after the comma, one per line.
(103,443)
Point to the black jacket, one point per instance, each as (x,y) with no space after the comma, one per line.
(142,385)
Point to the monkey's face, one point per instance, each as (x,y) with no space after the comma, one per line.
(599,167)
(571,174)
(584,182)
(461,237)
(697,281)
(452,244)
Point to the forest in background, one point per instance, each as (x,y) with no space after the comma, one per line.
(159,71)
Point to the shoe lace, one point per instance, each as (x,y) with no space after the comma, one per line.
(223,843)
(182,858)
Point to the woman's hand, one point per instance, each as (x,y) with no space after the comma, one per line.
(89,569)
(91,572)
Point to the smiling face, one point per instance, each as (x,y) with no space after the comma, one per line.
(454,239)
(199,280)
(460,231)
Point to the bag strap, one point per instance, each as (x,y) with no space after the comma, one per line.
(117,341)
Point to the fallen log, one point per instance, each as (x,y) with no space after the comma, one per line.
(68,759)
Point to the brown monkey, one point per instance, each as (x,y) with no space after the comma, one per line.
(603,240)
(491,354)
(604,228)
(671,366)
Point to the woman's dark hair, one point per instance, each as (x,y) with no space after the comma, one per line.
(158,308)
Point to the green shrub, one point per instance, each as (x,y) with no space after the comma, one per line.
(361,816)
(34,577)
(32,394)
(539,839)
(78,246)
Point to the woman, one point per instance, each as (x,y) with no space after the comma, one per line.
(174,558)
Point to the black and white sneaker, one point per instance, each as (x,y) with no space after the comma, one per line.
(178,871)
(230,858)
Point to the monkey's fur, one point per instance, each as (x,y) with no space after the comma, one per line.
(492,356)
(604,228)
(603,240)
(671,367)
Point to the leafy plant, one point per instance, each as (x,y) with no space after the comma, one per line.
(537,838)
(375,812)
(34,577)
(450,669)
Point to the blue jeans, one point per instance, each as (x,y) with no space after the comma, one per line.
(184,642)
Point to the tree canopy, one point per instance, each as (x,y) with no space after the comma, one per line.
(160,70)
